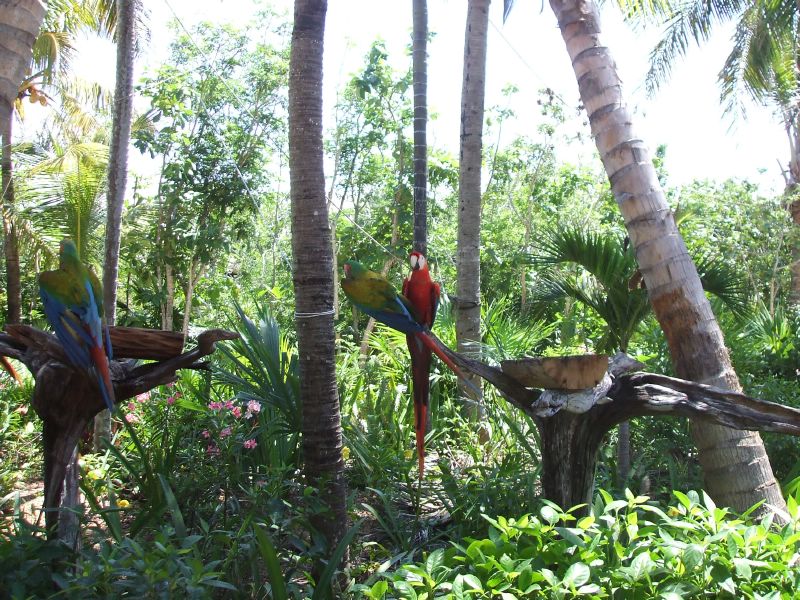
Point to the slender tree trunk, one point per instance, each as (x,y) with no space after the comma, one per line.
(420,68)
(312,272)
(169,300)
(20,21)
(117,177)
(13,287)
(735,464)
(468,332)
(196,270)
(792,194)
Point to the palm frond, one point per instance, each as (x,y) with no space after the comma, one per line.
(689,22)
(719,279)
(601,255)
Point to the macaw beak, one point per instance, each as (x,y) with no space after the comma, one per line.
(347,270)
(414,260)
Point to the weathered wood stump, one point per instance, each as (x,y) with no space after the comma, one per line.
(67,401)
(572,424)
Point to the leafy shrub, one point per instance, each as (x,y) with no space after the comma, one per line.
(627,548)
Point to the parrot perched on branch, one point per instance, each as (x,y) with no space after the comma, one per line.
(423,294)
(72,299)
(373,294)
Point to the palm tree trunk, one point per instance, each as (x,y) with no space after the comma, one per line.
(117,177)
(468,332)
(420,68)
(20,21)
(312,272)
(13,287)
(735,464)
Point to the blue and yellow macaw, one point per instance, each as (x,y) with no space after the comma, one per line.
(373,294)
(73,303)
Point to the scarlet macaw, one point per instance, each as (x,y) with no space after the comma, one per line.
(373,294)
(423,294)
(72,299)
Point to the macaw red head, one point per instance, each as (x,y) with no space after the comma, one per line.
(418,262)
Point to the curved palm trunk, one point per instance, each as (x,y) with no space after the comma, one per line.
(312,270)
(19,24)
(735,464)
(468,333)
(420,67)
(117,176)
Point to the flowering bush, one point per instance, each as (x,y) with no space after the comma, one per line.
(230,427)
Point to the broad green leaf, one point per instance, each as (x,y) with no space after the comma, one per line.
(577,575)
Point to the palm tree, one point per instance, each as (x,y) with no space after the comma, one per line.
(419,50)
(468,331)
(735,464)
(312,271)
(20,21)
(125,27)
(118,151)
(762,65)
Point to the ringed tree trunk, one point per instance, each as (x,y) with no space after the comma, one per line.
(735,464)
(117,176)
(419,51)
(468,316)
(20,21)
(792,194)
(312,272)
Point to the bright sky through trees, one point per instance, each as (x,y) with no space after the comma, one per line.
(528,52)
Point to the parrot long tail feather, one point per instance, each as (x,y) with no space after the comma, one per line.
(421,424)
(9,368)
(99,369)
(430,343)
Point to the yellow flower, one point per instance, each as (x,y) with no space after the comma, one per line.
(95,474)
(408,454)
(345,452)
(123,503)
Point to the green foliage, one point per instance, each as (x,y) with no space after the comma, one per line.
(262,368)
(626,548)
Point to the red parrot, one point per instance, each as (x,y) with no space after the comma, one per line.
(423,294)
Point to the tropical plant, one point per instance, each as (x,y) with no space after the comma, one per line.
(609,282)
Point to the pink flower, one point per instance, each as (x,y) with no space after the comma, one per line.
(225,432)
(143,397)
(132,418)
(205,433)
(253,406)
(171,400)
(178,395)
(250,444)
(236,411)
(171,384)
(131,407)
(212,450)
(229,404)
(215,405)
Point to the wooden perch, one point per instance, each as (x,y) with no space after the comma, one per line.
(67,400)
(558,372)
(573,425)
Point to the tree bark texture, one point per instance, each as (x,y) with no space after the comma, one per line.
(468,316)
(20,21)
(312,271)
(419,53)
(118,151)
(10,245)
(735,464)
(117,176)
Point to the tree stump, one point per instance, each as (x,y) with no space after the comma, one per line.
(67,400)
